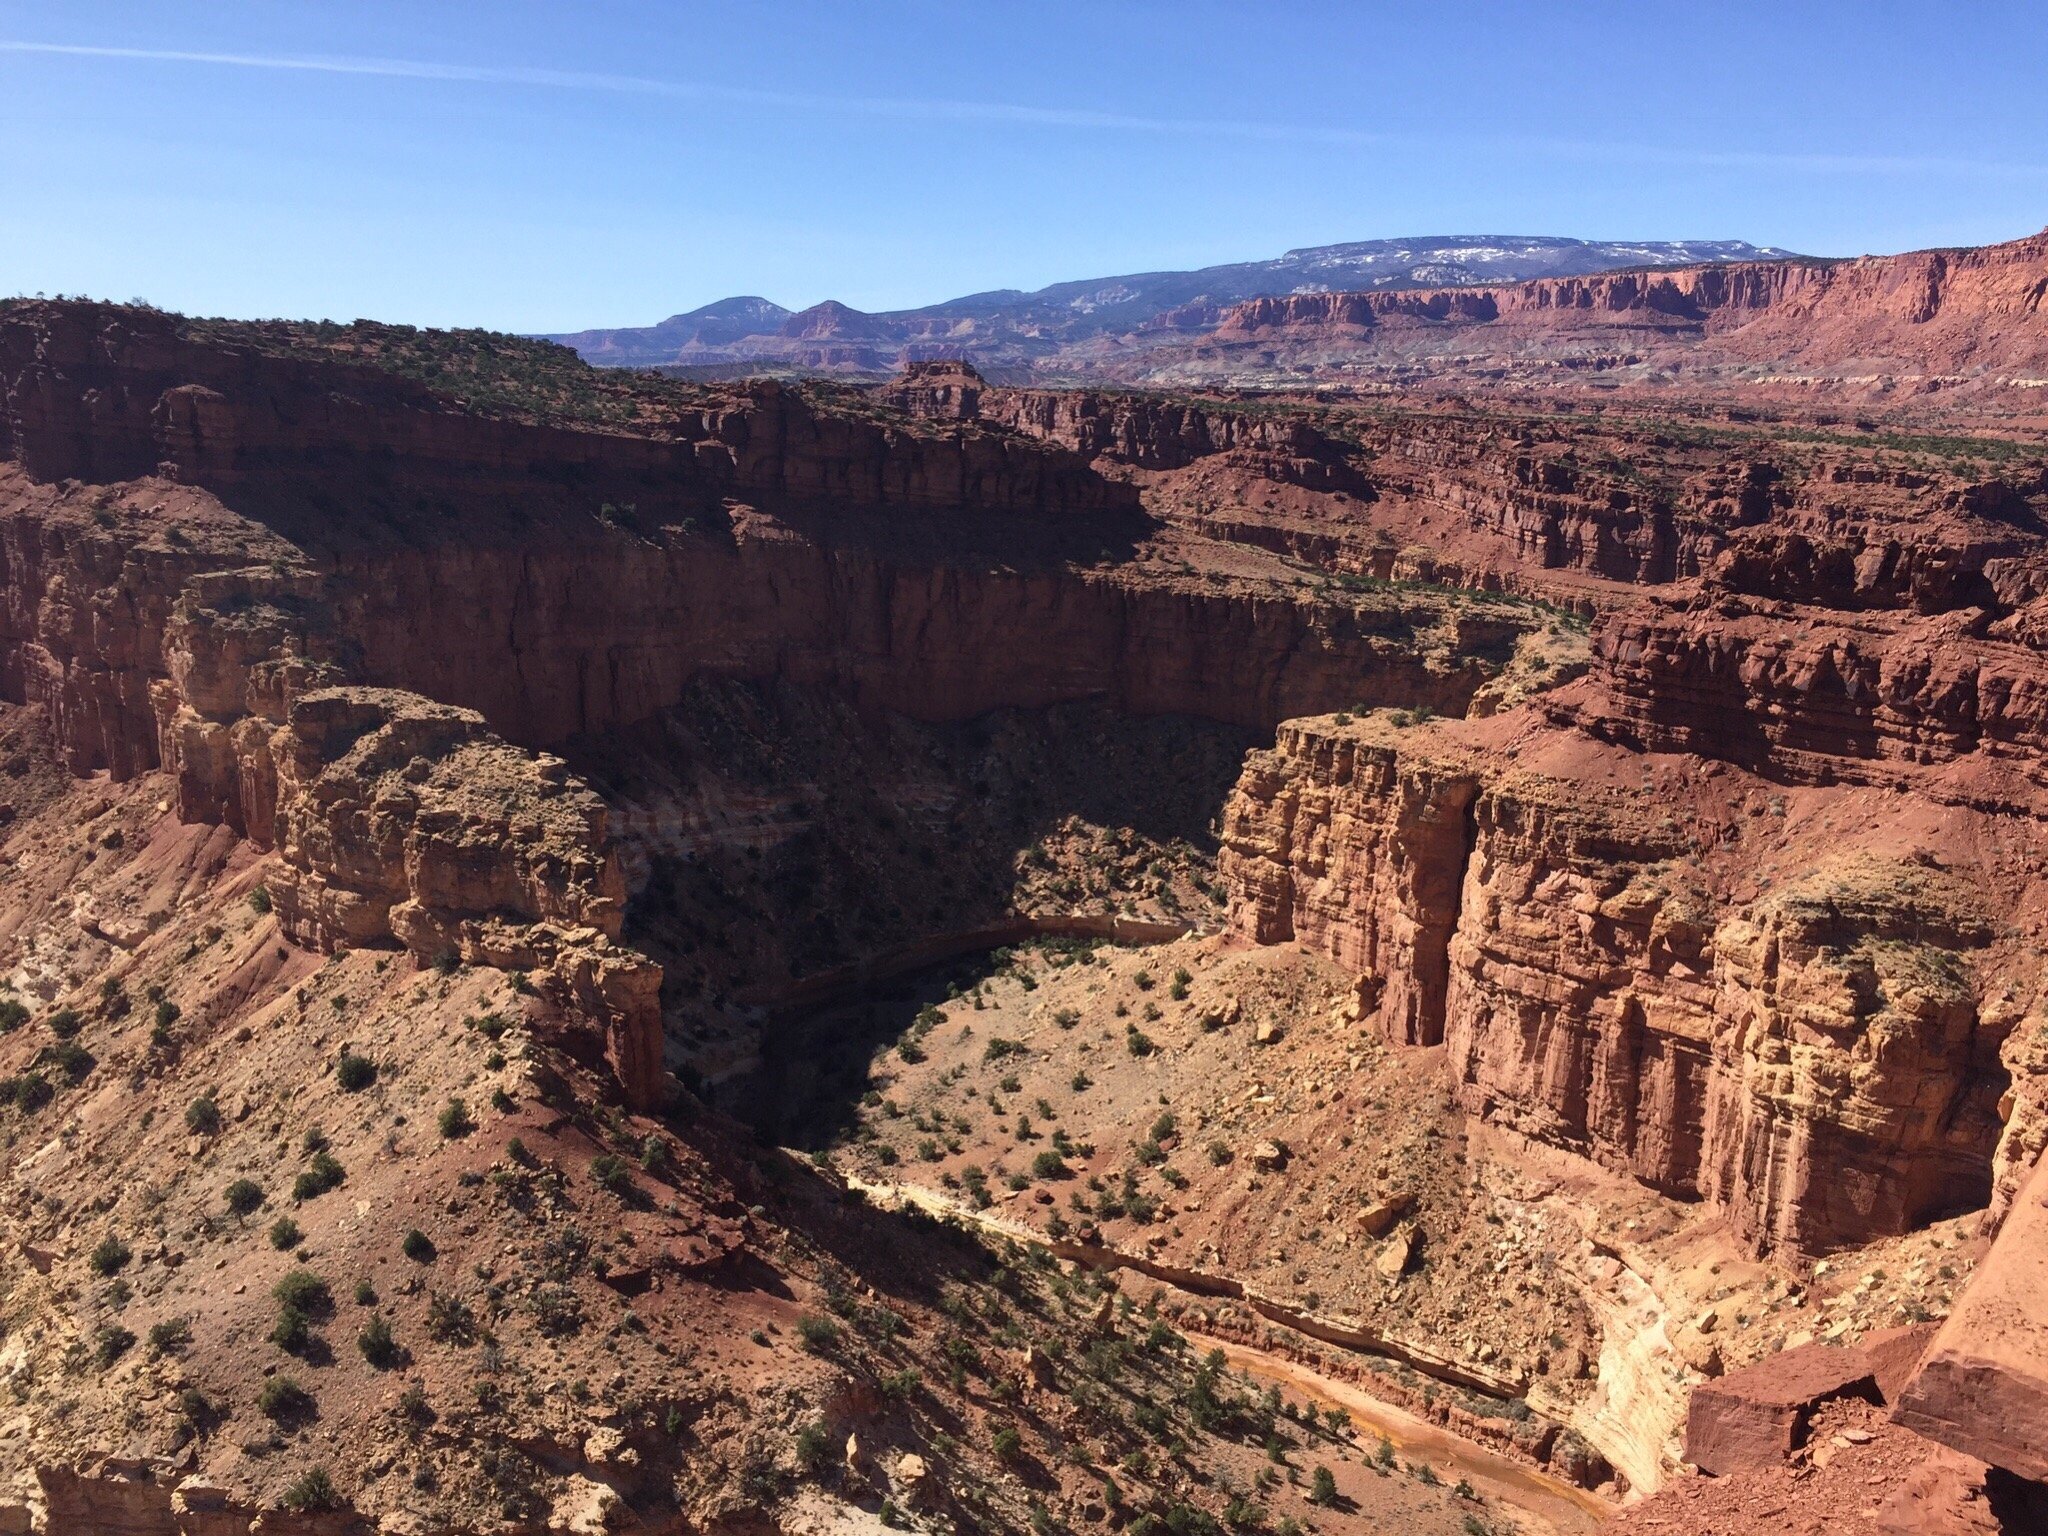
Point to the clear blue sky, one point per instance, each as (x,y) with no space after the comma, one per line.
(543,166)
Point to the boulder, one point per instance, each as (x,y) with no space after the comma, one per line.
(1983,1385)
(1395,1257)
(1758,1416)
(1378,1218)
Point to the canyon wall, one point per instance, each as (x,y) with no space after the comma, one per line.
(241,540)
(329,600)
(1959,312)
(1812,1059)
(566,581)
(1829,699)
(1682,299)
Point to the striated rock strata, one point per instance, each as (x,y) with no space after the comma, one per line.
(1812,1059)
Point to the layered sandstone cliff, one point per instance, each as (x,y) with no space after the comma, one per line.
(1813,1058)
(329,599)
(1943,315)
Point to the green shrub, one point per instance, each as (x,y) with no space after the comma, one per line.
(13,1014)
(1006,1442)
(74,1058)
(110,1256)
(282,1397)
(818,1334)
(110,1343)
(244,1196)
(202,1116)
(413,1406)
(321,1174)
(259,900)
(418,1247)
(310,1491)
(449,1319)
(454,1120)
(366,1293)
(292,1331)
(1049,1165)
(64,1023)
(814,1449)
(377,1344)
(303,1289)
(901,1386)
(28,1092)
(170,1336)
(612,1172)
(557,1310)
(1324,1488)
(353,1072)
(285,1233)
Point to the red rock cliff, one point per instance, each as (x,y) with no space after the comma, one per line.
(1814,1058)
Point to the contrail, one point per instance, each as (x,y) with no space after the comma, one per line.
(945,109)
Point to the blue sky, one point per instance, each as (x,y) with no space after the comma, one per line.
(543,166)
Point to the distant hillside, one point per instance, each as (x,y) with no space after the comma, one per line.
(1010,329)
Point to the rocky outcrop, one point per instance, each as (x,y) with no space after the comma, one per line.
(1827,699)
(396,817)
(565,578)
(1920,315)
(1161,433)
(1812,1060)
(344,595)
(1757,1417)
(1683,300)
(1142,431)
(1358,850)
(106,393)
(1982,1386)
(114,1496)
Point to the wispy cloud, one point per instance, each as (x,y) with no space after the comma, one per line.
(1020,114)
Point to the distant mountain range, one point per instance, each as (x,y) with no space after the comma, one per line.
(1010,330)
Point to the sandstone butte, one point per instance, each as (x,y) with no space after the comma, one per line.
(441,778)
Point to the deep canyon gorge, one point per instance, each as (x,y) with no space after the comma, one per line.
(593,950)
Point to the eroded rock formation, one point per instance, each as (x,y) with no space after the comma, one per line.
(1813,1059)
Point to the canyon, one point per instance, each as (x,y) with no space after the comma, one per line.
(1573,844)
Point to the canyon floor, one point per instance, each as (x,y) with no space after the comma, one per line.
(590,952)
